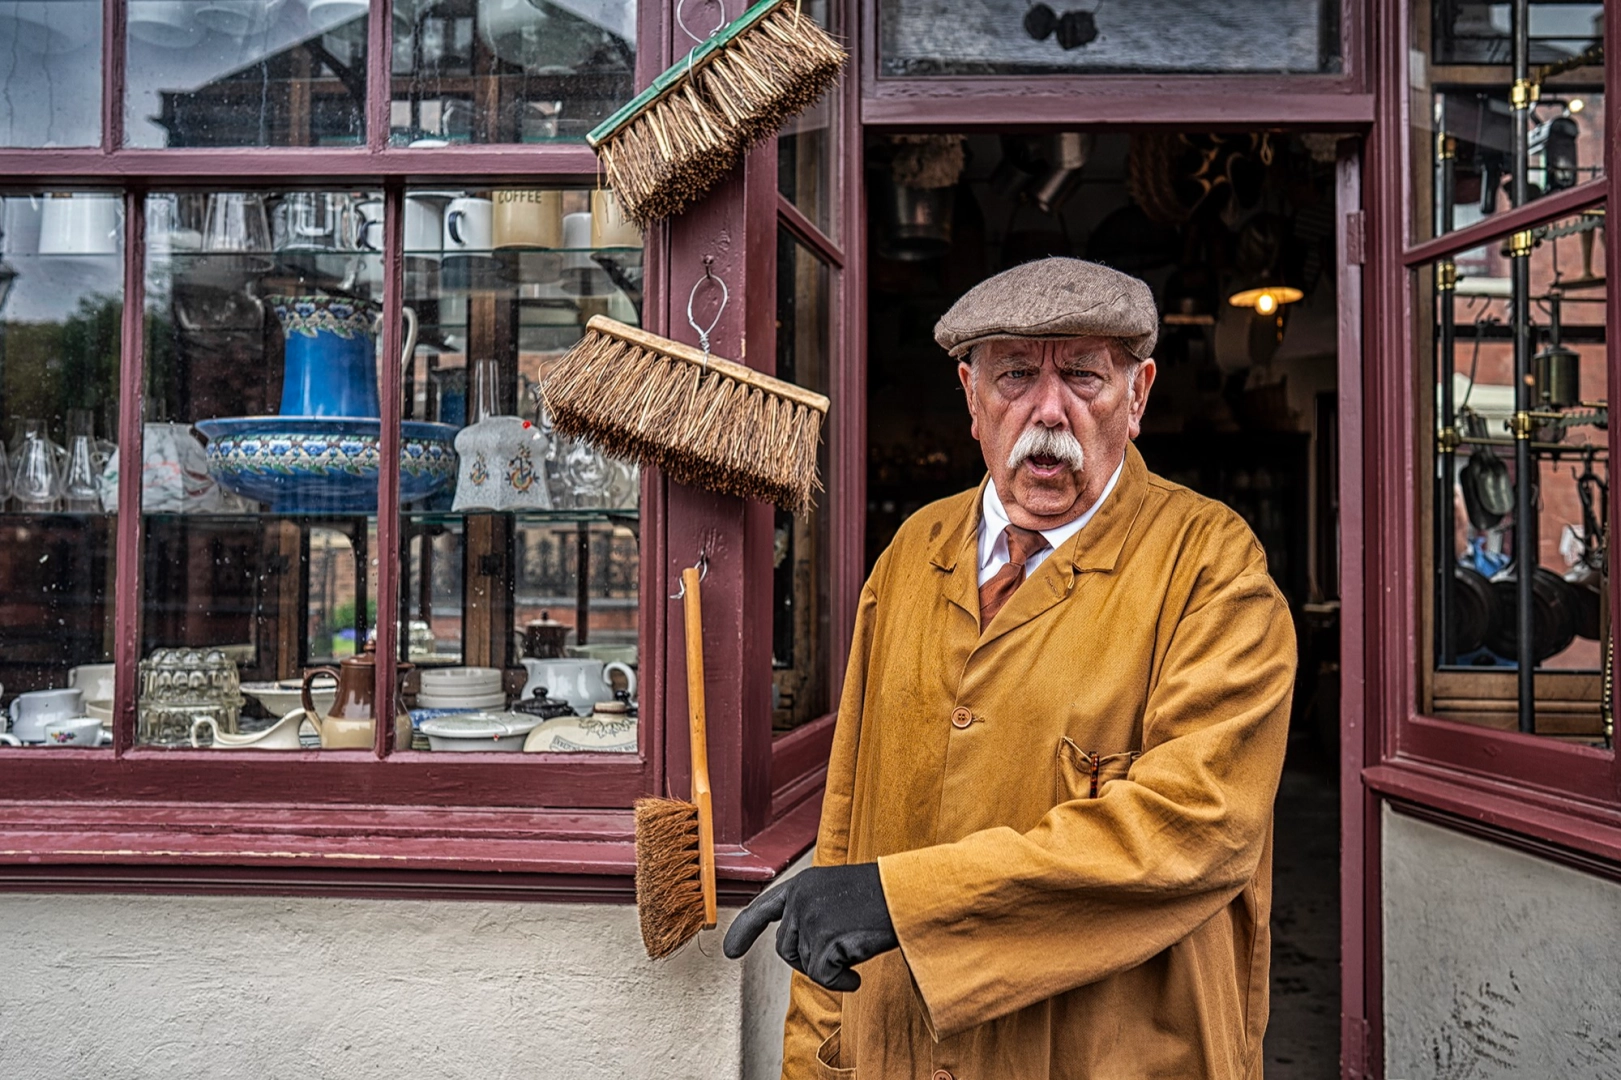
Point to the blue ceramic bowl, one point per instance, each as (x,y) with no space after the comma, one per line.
(323,464)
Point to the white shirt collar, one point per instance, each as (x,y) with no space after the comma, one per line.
(993,521)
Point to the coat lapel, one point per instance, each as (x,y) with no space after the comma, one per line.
(957,555)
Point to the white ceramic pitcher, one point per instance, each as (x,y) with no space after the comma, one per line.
(578,680)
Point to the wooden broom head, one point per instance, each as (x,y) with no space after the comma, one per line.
(704,421)
(698,126)
(669,894)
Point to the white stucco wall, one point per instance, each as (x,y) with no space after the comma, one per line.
(1497,964)
(218,988)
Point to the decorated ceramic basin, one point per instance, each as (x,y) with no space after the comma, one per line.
(324,464)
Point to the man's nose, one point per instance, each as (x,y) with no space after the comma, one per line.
(1048,407)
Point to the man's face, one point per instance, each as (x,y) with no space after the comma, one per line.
(1058,395)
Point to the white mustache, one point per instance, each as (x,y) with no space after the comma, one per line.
(1041,441)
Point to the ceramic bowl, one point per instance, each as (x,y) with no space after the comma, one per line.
(479,731)
(594,733)
(316,464)
(464,702)
(461,682)
(281,698)
(101,710)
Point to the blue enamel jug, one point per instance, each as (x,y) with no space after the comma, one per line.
(330,356)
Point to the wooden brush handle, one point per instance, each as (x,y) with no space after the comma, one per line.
(742,373)
(697,730)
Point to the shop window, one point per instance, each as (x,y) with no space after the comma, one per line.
(1512,343)
(528,561)
(801,640)
(509,71)
(245,73)
(920,38)
(61,287)
(50,73)
(805,158)
(1463,111)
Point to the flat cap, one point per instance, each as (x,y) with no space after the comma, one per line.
(1053,298)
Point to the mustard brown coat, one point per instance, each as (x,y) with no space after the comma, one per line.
(1071,810)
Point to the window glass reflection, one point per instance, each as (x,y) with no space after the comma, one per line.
(521,580)
(261,456)
(1463,110)
(61,283)
(801,639)
(1481,541)
(246,73)
(1017,37)
(805,153)
(509,71)
(50,73)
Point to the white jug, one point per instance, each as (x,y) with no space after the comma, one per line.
(580,681)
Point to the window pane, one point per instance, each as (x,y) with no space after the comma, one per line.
(806,149)
(523,572)
(801,603)
(1463,133)
(259,551)
(1015,37)
(1477,541)
(509,71)
(246,73)
(61,283)
(50,73)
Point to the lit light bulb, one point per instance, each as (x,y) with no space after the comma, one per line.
(1266,303)
(1576,105)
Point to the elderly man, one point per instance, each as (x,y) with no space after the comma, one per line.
(1045,848)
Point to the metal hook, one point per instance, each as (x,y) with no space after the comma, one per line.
(693,52)
(725,295)
(702,566)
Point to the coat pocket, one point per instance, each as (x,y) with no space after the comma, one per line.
(1081,774)
(827,1059)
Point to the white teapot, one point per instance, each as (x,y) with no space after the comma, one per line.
(578,680)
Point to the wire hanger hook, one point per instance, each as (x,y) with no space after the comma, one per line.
(702,566)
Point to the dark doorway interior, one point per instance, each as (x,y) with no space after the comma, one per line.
(1244,408)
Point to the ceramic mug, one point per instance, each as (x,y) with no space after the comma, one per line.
(30,712)
(467,226)
(96,680)
(79,224)
(609,226)
(165,23)
(527,218)
(73,731)
(423,226)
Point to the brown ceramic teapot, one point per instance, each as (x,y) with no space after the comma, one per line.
(349,725)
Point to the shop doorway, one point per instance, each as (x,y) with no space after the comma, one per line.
(1245,407)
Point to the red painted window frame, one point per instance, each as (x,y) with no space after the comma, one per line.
(384,822)
(1564,794)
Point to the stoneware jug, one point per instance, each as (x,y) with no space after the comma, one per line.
(350,724)
(282,735)
(580,681)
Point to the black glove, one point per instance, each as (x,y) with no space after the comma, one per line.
(833,917)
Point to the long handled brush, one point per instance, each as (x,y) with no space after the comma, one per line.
(702,420)
(675,841)
(676,139)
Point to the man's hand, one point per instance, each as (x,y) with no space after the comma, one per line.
(833,917)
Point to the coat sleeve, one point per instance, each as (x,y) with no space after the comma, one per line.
(813,1012)
(989,924)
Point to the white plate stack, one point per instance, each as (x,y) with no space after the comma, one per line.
(461,688)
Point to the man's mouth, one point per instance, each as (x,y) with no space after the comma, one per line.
(1044,466)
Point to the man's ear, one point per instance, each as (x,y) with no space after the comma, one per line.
(965,373)
(1142,380)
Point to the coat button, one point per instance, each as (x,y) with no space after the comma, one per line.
(941,1074)
(960,718)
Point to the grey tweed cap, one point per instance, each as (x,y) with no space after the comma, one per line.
(1053,298)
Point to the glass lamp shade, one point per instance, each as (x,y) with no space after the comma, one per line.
(1266,299)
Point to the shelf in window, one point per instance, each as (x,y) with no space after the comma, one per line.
(627,516)
(17,516)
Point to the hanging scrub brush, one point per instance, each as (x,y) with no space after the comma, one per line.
(704,421)
(675,840)
(681,135)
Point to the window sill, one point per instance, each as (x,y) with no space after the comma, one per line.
(1570,830)
(584,856)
